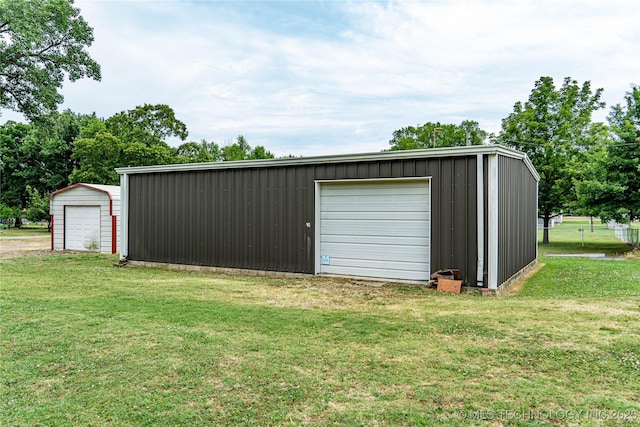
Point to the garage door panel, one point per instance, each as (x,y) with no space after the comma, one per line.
(408,204)
(376,229)
(417,215)
(368,240)
(380,188)
(82,228)
(376,252)
(377,272)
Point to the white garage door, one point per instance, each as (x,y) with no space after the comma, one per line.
(82,228)
(375,229)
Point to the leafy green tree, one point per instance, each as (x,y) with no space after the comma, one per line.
(37,207)
(147,124)
(14,164)
(41,43)
(132,138)
(430,135)
(97,158)
(194,152)
(554,129)
(37,155)
(8,214)
(241,150)
(613,192)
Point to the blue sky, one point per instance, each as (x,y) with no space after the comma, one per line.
(331,77)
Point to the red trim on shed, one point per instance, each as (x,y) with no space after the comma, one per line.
(114,234)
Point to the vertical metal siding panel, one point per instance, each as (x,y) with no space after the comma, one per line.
(396,169)
(310,218)
(435,168)
(517,239)
(446,212)
(271,214)
(505,212)
(206,217)
(464,213)
(409,168)
(384,169)
(373,170)
(239,223)
(453,213)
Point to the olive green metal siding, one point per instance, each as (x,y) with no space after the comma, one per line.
(263,218)
(517,207)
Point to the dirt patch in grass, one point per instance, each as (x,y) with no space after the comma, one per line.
(28,247)
(24,248)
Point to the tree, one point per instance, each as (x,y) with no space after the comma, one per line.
(613,192)
(13,162)
(97,158)
(241,150)
(41,43)
(202,152)
(37,207)
(554,129)
(430,135)
(37,155)
(131,138)
(8,214)
(147,124)
(100,155)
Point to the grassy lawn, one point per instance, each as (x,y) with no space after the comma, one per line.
(86,343)
(566,238)
(27,232)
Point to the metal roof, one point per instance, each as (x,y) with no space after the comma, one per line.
(340,158)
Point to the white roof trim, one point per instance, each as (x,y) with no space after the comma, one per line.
(341,158)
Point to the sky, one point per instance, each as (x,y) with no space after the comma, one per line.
(309,78)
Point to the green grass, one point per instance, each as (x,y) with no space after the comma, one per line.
(86,343)
(565,238)
(26,232)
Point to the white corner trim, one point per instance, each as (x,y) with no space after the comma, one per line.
(316,238)
(124,216)
(493,223)
(480,217)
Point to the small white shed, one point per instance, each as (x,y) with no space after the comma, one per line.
(86,217)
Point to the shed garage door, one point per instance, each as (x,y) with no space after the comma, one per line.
(375,229)
(82,228)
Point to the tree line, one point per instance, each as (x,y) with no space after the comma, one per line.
(66,148)
(586,167)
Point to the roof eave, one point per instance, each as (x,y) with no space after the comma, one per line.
(340,158)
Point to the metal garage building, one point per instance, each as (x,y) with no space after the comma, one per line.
(397,215)
(85,217)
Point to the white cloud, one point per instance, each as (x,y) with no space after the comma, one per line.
(336,77)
